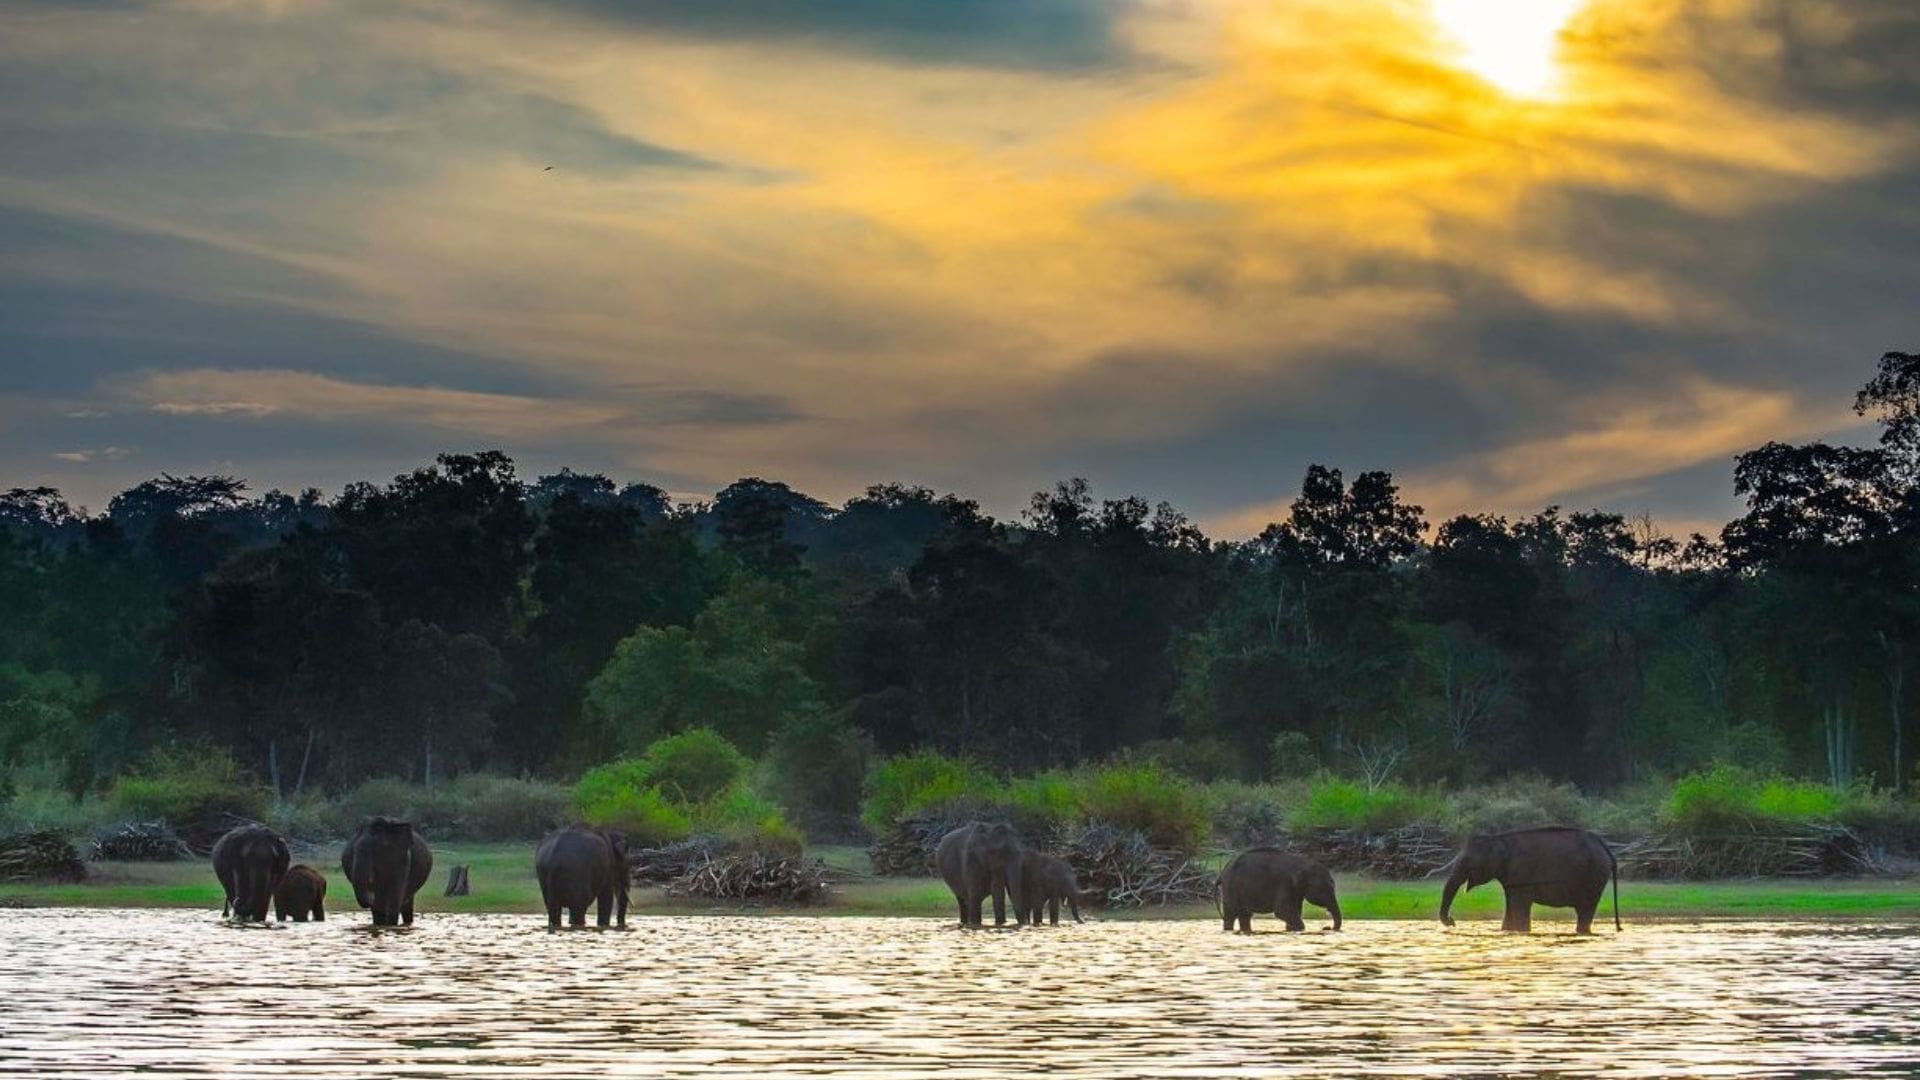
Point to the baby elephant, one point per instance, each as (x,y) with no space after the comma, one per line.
(1268,879)
(300,895)
(1045,880)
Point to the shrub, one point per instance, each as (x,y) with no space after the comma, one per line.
(1040,806)
(1163,807)
(190,784)
(749,821)
(1196,759)
(1519,803)
(493,808)
(1729,796)
(1345,804)
(815,766)
(617,796)
(39,801)
(694,766)
(1290,756)
(903,786)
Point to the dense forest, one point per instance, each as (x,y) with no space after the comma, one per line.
(460,618)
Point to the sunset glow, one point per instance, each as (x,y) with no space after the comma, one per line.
(1512,44)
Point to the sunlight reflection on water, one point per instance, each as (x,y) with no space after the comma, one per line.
(97,993)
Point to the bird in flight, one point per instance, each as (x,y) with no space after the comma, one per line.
(547,169)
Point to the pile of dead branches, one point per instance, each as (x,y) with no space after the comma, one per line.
(753,876)
(906,850)
(139,841)
(1762,850)
(1119,866)
(671,862)
(1406,854)
(39,856)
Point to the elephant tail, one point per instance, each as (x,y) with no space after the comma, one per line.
(1615,862)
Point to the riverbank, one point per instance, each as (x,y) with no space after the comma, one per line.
(503,881)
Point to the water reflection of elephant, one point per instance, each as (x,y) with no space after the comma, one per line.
(980,860)
(1268,879)
(1556,867)
(577,867)
(1046,882)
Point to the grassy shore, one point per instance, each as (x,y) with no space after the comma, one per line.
(502,881)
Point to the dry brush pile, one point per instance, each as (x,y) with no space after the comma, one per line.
(1123,870)
(712,868)
(140,841)
(1777,849)
(39,856)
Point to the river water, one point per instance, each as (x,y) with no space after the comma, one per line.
(175,993)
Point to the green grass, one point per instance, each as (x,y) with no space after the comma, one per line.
(502,881)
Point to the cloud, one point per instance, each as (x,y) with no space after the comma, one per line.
(1062,35)
(82,457)
(1187,247)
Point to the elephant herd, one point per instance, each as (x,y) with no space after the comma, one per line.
(1553,867)
(387,861)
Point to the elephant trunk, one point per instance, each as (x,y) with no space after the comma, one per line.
(1016,890)
(1454,881)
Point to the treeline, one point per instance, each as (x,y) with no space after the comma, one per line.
(460,618)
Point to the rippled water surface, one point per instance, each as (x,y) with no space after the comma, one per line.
(97,993)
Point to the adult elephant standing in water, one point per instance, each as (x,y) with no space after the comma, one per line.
(250,861)
(1557,867)
(577,867)
(980,859)
(386,862)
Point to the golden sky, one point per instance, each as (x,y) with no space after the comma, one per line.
(1517,251)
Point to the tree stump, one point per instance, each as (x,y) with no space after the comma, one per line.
(457,884)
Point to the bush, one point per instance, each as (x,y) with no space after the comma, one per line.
(1248,815)
(1290,756)
(1728,796)
(1345,804)
(1519,803)
(1163,807)
(814,767)
(188,785)
(694,766)
(494,808)
(1042,806)
(750,823)
(907,785)
(1204,760)
(618,796)
(39,802)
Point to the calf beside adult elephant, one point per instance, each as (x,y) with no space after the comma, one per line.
(301,895)
(577,867)
(1046,880)
(1556,867)
(249,861)
(1268,879)
(386,862)
(980,860)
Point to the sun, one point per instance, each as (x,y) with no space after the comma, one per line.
(1512,44)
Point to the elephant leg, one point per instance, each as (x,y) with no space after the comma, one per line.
(999,906)
(319,911)
(605,902)
(1288,911)
(1226,919)
(577,915)
(1246,922)
(1053,911)
(406,912)
(1519,919)
(962,901)
(1583,916)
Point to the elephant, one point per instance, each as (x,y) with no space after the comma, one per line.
(302,894)
(249,861)
(386,862)
(1557,867)
(1267,879)
(578,866)
(1045,881)
(978,859)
